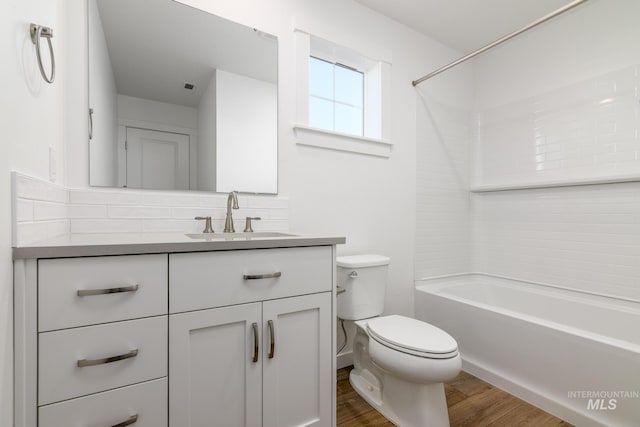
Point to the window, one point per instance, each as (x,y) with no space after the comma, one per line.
(336,97)
(343,96)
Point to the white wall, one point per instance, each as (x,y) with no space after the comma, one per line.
(560,103)
(103,101)
(160,115)
(207,137)
(31,122)
(247,132)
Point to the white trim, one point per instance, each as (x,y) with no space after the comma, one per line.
(303,50)
(344,359)
(25,352)
(529,282)
(310,136)
(377,107)
(556,183)
(365,48)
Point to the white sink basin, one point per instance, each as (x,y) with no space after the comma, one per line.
(238,236)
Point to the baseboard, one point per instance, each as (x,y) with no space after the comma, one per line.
(344,359)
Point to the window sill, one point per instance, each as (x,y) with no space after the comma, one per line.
(330,140)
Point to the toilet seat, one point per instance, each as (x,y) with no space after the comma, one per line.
(413,337)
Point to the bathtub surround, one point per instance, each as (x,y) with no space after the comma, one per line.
(443,216)
(585,238)
(553,198)
(572,123)
(43,210)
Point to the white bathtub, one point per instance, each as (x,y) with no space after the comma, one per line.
(574,355)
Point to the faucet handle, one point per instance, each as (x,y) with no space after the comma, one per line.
(247,223)
(207,223)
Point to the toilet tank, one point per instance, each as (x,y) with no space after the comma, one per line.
(364,279)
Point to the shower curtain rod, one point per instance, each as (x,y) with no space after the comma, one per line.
(500,41)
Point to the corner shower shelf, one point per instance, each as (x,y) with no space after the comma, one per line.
(557,183)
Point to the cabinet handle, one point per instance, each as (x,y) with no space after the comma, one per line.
(262,276)
(254,325)
(90,124)
(93,362)
(117,290)
(132,420)
(272,345)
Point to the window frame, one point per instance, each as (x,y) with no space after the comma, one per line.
(377,77)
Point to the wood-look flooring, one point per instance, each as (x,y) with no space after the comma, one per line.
(471,401)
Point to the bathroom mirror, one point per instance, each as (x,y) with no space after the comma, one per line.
(180,99)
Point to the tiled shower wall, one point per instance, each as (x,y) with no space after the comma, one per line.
(589,129)
(585,238)
(560,104)
(43,210)
(442,187)
(580,237)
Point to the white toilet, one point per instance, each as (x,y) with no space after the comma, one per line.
(400,363)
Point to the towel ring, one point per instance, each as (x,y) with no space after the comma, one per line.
(38,32)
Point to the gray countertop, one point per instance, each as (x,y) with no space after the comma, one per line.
(77,245)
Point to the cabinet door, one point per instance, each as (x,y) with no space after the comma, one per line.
(297,374)
(214,380)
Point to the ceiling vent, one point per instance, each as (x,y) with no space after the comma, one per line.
(189,86)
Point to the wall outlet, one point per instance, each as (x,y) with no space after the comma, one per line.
(52,164)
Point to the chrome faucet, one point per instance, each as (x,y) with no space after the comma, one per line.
(247,223)
(207,223)
(228,222)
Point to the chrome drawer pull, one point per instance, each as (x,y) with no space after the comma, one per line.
(93,362)
(254,325)
(132,420)
(272,346)
(262,276)
(90,292)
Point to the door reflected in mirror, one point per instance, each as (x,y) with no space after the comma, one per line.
(181,99)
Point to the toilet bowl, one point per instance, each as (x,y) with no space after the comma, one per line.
(400,363)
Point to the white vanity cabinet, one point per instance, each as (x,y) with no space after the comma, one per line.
(184,338)
(91,341)
(264,356)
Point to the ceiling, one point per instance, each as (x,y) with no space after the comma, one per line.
(156,46)
(465,25)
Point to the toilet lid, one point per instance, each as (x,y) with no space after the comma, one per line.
(412,336)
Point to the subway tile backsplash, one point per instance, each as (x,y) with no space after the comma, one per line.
(42,210)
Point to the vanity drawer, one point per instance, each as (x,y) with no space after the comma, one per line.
(212,279)
(146,401)
(104,348)
(138,286)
